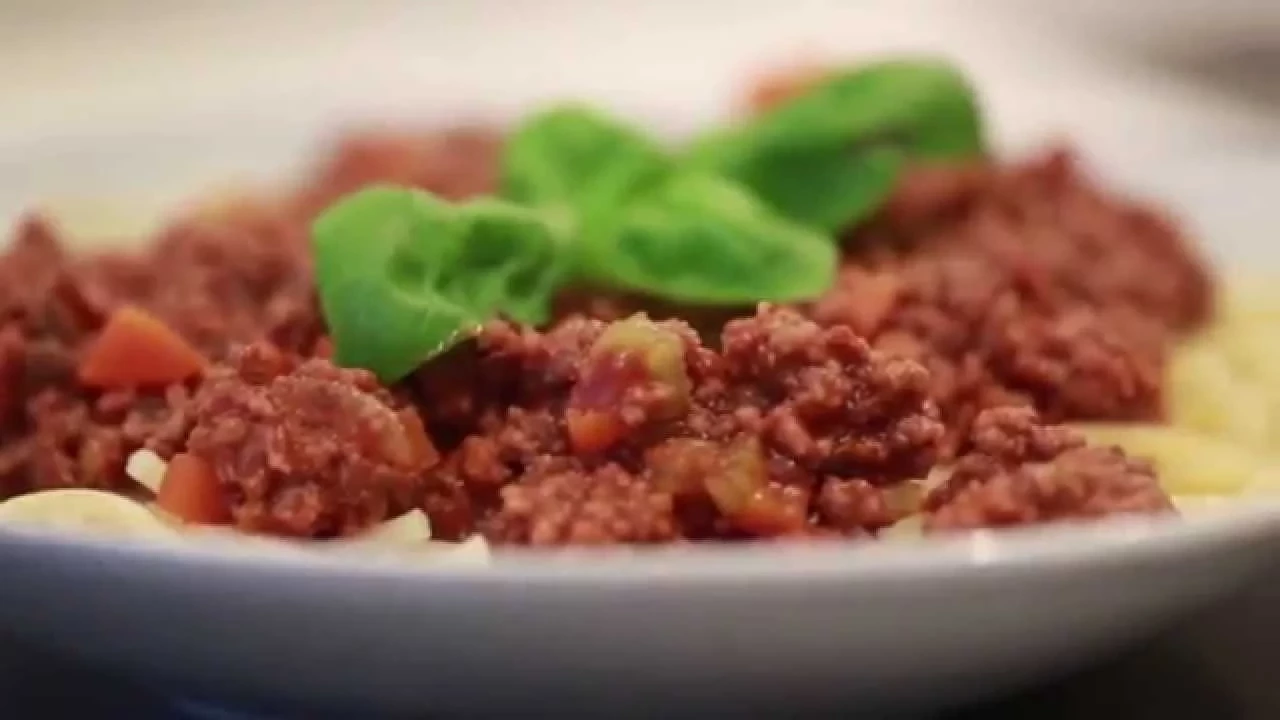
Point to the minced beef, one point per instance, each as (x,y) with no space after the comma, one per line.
(854,506)
(454,163)
(81,440)
(559,504)
(504,366)
(307,450)
(220,284)
(793,426)
(1021,472)
(826,400)
(1022,285)
(1075,364)
(57,434)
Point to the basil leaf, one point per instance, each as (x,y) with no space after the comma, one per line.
(830,156)
(577,158)
(703,239)
(402,275)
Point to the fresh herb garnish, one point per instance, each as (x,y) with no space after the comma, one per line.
(705,240)
(402,275)
(828,157)
(647,225)
(580,160)
(747,215)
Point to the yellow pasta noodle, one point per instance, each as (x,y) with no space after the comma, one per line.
(1223,436)
(1189,463)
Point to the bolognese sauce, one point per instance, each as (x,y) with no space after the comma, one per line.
(981,305)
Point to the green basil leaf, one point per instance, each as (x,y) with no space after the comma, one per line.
(403,275)
(577,158)
(704,239)
(830,156)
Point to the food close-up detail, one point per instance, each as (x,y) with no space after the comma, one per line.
(838,316)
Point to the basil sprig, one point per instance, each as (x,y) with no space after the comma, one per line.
(748,214)
(579,160)
(402,275)
(647,224)
(702,239)
(828,157)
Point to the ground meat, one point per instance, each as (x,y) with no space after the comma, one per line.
(786,404)
(504,366)
(219,285)
(1022,471)
(267,428)
(1078,484)
(28,268)
(465,488)
(158,422)
(563,504)
(43,294)
(1018,434)
(13,360)
(81,440)
(1022,285)
(56,434)
(1045,218)
(981,302)
(831,403)
(1075,365)
(455,163)
(854,506)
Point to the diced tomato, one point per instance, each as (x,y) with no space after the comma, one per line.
(742,491)
(593,431)
(630,355)
(136,349)
(774,510)
(191,493)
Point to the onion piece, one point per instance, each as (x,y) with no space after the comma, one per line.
(908,528)
(147,469)
(408,529)
(937,477)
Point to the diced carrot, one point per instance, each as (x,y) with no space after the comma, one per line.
(774,510)
(191,493)
(593,431)
(137,349)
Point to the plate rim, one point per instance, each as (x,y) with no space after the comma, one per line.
(1057,547)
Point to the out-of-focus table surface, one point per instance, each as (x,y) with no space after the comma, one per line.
(131,95)
(77,63)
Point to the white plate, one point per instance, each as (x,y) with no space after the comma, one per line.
(771,630)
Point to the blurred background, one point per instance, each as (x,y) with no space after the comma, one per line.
(138,95)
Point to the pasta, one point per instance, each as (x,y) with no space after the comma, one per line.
(1224,405)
